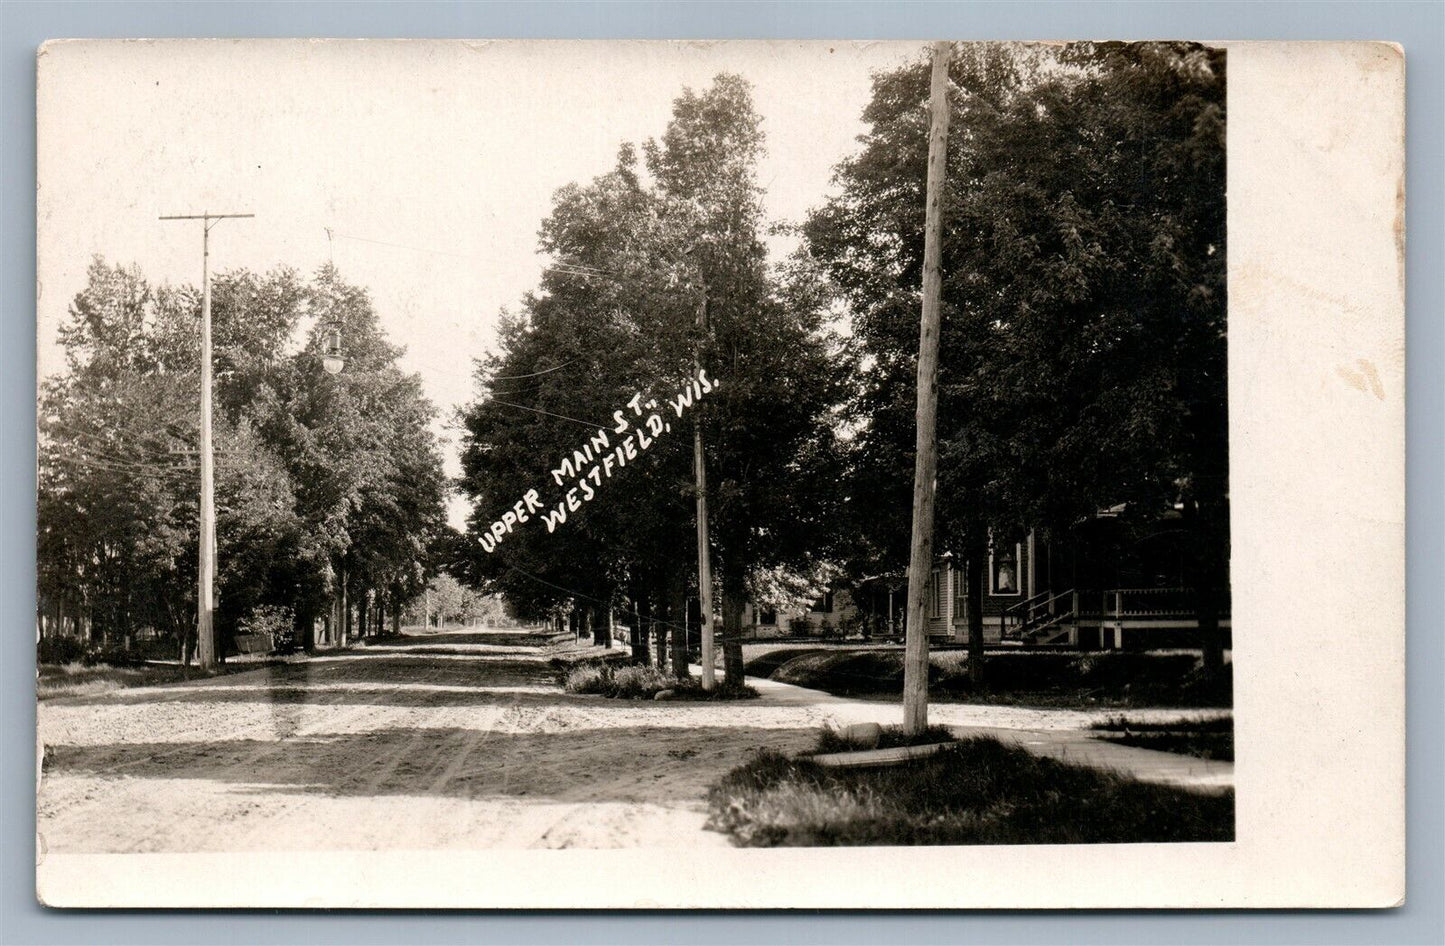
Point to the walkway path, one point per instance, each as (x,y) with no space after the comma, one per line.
(1058,734)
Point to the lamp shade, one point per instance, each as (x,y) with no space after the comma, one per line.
(332,357)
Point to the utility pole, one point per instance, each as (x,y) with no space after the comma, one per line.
(920,561)
(704,560)
(206,647)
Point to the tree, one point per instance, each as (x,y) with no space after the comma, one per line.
(311,470)
(367,469)
(636,252)
(1083,344)
(118,483)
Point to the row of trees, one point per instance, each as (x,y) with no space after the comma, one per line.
(1082,358)
(659,265)
(447,601)
(1082,355)
(329,488)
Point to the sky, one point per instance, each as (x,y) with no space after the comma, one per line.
(432,163)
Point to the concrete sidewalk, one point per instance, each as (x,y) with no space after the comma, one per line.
(1082,747)
(1063,735)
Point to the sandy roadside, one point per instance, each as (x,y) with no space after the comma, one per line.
(449,742)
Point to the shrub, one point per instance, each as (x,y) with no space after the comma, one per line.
(636,682)
(586,678)
(800,626)
(851,626)
(59,650)
(639,682)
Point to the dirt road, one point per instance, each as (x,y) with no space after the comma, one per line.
(455,740)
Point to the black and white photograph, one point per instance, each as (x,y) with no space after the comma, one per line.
(676,448)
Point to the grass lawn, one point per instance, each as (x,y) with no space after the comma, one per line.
(891,737)
(1201,738)
(78,679)
(1033,678)
(976,791)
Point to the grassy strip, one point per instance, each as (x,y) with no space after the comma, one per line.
(78,679)
(1218,746)
(978,791)
(893,737)
(630,682)
(1196,736)
(1113,678)
(1200,724)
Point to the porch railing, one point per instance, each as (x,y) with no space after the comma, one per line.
(1041,611)
(1036,617)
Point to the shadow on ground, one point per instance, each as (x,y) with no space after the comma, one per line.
(376,679)
(637,764)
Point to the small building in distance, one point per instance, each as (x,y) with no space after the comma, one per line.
(832,614)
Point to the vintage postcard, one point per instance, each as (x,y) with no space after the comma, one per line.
(543,474)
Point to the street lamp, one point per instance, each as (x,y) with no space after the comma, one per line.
(333,358)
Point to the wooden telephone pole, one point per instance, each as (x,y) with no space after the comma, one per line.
(206,649)
(925,472)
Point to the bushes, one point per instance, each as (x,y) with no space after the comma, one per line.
(59,650)
(70,650)
(625,682)
(639,683)
(631,682)
(585,678)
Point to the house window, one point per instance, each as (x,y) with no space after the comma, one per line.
(824,604)
(936,598)
(768,617)
(1003,570)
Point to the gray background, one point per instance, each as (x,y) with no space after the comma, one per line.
(1419,26)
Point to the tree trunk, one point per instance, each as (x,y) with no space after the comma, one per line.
(658,623)
(641,630)
(734,600)
(601,625)
(974,577)
(303,624)
(363,614)
(1210,578)
(679,620)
